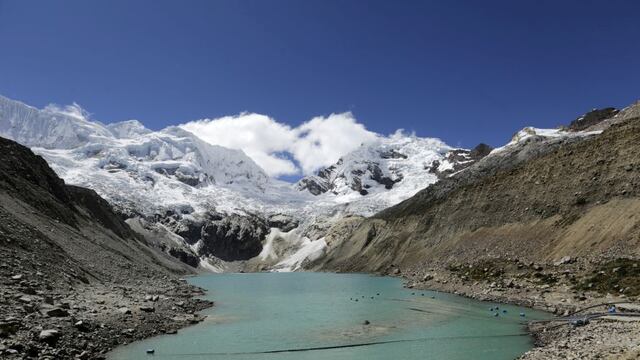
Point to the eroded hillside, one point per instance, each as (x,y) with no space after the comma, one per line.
(539,201)
(76,280)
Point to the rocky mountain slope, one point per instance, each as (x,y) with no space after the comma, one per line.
(74,275)
(540,197)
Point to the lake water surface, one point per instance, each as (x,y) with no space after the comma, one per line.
(260,316)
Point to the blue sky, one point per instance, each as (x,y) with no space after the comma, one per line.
(463,71)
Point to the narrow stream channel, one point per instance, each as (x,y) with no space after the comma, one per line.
(316,316)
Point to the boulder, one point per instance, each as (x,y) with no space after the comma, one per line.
(49,336)
(563,261)
(82,326)
(8,327)
(147,308)
(57,312)
(124,310)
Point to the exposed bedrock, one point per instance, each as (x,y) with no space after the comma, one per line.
(229,237)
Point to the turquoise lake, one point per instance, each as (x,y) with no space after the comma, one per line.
(265,315)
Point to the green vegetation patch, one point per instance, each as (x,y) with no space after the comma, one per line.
(545,278)
(483,270)
(614,276)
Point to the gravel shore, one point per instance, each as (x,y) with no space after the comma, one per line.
(86,322)
(609,337)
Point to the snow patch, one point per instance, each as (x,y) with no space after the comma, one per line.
(308,251)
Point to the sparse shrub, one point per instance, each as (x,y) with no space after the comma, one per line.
(613,276)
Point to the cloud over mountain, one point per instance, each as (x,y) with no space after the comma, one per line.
(281,149)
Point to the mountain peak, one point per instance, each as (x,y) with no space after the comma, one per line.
(128,129)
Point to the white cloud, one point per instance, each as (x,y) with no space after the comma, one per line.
(316,143)
(323,140)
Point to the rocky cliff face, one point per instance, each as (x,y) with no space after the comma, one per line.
(539,198)
(68,263)
(228,237)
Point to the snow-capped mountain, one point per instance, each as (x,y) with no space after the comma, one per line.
(378,166)
(127,159)
(165,180)
(207,204)
(384,172)
(50,128)
(196,200)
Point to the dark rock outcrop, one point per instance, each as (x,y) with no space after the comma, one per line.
(460,160)
(481,150)
(283,222)
(184,256)
(593,117)
(235,237)
(326,179)
(228,237)
(29,178)
(314,186)
(99,209)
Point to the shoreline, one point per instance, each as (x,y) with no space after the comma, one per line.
(89,321)
(165,306)
(609,337)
